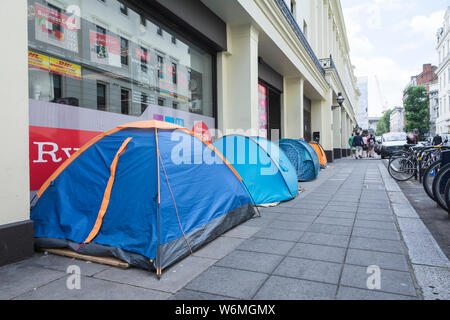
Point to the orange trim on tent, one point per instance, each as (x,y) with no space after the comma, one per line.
(107,194)
(139,125)
(72,159)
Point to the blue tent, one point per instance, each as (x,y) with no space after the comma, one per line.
(265,169)
(303,157)
(141,193)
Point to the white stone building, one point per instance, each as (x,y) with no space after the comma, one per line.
(443,72)
(397,120)
(363,104)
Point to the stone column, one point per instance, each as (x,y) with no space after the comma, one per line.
(238,82)
(322,121)
(337,133)
(293,108)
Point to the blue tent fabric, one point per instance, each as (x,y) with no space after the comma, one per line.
(303,158)
(267,172)
(205,194)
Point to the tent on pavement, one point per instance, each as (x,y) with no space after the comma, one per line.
(138,194)
(267,172)
(303,158)
(320,153)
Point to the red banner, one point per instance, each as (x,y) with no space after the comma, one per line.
(50,147)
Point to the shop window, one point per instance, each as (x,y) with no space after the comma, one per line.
(91,66)
(144,55)
(101,96)
(124,46)
(125,101)
(144,102)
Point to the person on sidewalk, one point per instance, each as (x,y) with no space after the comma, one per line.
(371,143)
(358,143)
(365,146)
(437,140)
(352,148)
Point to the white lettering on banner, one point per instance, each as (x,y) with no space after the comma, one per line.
(52,152)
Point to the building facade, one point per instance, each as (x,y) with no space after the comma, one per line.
(427,78)
(443,74)
(397,121)
(363,104)
(373,121)
(271,68)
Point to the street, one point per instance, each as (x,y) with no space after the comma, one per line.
(352,234)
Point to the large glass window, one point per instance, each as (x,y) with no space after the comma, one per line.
(98,55)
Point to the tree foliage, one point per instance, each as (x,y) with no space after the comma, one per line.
(417,113)
(383,126)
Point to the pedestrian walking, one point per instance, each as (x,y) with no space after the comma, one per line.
(365,146)
(372,141)
(352,148)
(437,140)
(358,143)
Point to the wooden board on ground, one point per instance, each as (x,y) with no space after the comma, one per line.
(102,260)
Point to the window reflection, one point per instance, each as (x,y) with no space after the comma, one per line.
(110,58)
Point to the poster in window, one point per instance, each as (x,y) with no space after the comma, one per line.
(262,106)
(105,49)
(55,28)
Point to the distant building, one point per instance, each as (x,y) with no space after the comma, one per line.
(428,79)
(363,104)
(373,121)
(443,74)
(434,108)
(397,120)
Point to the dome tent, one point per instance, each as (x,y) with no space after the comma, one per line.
(320,153)
(267,172)
(303,158)
(124,195)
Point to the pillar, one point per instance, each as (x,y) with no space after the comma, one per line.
(337,133)
(238,83)
(293,108)
(16,229)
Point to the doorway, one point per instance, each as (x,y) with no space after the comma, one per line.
(307,119)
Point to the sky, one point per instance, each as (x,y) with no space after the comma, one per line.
(390,40)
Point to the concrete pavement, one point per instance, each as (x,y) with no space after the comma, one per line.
(318,246)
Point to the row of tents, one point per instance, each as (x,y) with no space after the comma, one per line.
(139,194)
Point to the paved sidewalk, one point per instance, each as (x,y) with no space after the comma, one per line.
(317,246)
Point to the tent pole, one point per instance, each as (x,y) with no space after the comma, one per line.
(158,251)
(253,200)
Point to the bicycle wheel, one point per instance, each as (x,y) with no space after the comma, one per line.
(447,196)
(439,184)
(402,169)
(428,178)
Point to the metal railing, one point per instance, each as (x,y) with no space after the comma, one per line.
(288,14)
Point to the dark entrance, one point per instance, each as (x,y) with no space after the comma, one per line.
(307,119)
(274,106)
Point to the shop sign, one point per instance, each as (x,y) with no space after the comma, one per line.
(53,65)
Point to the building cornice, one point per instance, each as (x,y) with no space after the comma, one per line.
(274,12)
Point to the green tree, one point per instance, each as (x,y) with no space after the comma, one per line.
(383,126)
(417,113)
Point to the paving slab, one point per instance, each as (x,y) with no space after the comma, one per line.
(318,252)
(228,282)
(279,234)
(19,278)
(92,289)
(377,245)
(434,281)
(349,293)
(219,248)
(329,229)
(172,280)
(376,233)
(251,261)
(382,259)
(396,282)
(331,240)
(267,246)
(321,271)
(280,288)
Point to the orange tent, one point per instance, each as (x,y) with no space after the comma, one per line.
(320,153)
